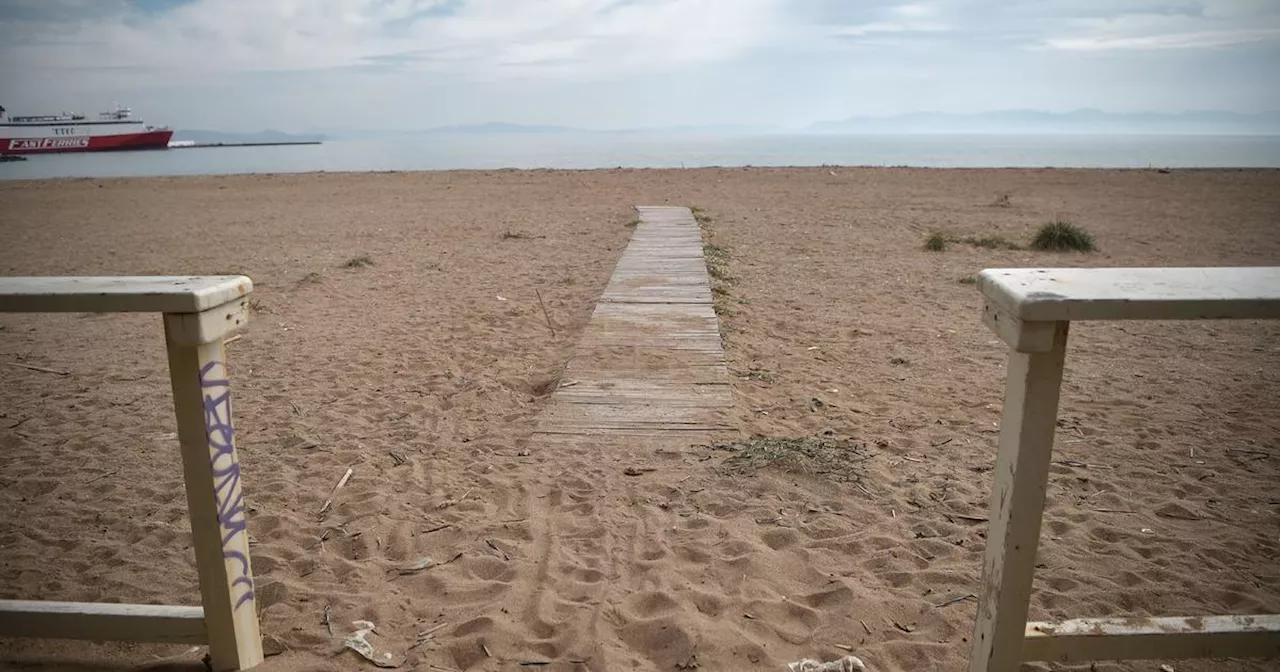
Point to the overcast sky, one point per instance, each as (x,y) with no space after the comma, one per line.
(405,64)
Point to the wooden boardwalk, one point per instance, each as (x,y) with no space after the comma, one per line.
(650,362)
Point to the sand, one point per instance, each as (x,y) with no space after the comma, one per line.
(425,373)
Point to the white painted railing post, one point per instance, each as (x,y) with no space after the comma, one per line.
(215,498)
(1021,476)
(1030,309)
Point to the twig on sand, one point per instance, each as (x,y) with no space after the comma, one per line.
(544,312)
(233,339)
(1082,465)
(432,629)
(962,516)
(426,636)
(41,369)
(1263,453)
(864,626)
(953,600)
(450,502)
(328,618)
(485,648)
(494,546)
(99,477)
(341,482)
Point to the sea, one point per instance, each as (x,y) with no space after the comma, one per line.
(471,151)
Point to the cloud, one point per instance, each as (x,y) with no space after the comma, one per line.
(601,63)
(476,37)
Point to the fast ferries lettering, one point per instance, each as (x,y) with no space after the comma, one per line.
(48,143)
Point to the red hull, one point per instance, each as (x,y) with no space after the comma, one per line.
(97,143)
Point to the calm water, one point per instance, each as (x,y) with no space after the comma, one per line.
(485,151)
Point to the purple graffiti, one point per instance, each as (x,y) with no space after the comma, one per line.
(227,492)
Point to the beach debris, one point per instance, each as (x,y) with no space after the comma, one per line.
(951,515)
(341,482)
(637,471)
(501,298)
(834,458)
(1166,668)
(485,648)
(417,565)
(864,626)
(846,664)
(910,627)
(451,502)
(544,312)
(358,642)
(437,528)
(494,546)
(397,458)
(426,635)
(953,600)
(328,618)
(1147,530)
(101,476)
(41,369)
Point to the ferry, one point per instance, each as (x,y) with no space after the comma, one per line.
(114,130)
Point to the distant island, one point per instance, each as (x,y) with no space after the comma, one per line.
(1078,121)
(1030,122)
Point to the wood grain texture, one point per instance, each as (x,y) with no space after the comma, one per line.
(650,362)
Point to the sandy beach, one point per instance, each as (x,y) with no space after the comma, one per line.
(397,331)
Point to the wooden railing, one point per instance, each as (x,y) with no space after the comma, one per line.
(1030,309)
(199,313)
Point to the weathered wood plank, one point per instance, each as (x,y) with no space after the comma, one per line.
(1086,639)
(104,622)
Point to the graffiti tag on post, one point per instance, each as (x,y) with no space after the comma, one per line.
(226,475)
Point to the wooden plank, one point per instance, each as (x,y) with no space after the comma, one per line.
(215,499)
(117,294)
(1088,639)
(650,361)
(102,622)
(1017,504)
(1068,294)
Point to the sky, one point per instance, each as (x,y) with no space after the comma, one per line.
(302,65)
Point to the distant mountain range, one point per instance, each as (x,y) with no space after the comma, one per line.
(502,128)
(1079,121)
(1006,121)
